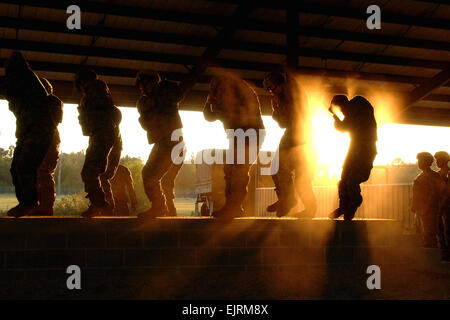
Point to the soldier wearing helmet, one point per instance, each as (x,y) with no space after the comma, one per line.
(359,121)
(234,102)
(426,199)
(28,101)
(442,161)
(99,119)
(294,175)
(158,110)
(46,171)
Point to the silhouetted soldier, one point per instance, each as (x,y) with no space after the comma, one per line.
(232,101)
(442,161)
(359,121)
(28,101)
(426,198)
(123,191)
(99,120)
(290,110)
(158,109)
(46,171)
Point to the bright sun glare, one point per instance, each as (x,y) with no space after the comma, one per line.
(394,140)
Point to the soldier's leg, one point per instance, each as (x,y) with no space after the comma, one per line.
(121,208)
(168,186)
(46,182)
(303,182)
(111,168)
(94,165)
(236,181)
(35,146)
(14,174)
(283,179)
(158,163)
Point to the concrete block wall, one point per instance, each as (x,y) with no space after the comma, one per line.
(200,258)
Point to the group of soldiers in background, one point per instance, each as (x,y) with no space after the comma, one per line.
(431,201)
(230,100)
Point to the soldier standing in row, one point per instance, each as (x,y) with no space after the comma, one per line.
(232,101)
(359,121)
(442,161)
(158,109)
(123,191)
(290,111)
(46,171)
(99,119)
(426,198)
(29,102)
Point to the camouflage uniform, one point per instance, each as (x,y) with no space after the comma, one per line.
(426,204)
(159,117)
(46,171)
(290,111)
(232,101)
(362,127)
(34,130)
(100,119)
(123,191)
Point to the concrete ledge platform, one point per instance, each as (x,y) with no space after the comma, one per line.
(202,258)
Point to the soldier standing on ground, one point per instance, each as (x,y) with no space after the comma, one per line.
(99,120)
(442,161)
(46,171)
(28,101)
(123,191)
(158,109)
(426,199)
(232,101)
(290,110)
(359,121)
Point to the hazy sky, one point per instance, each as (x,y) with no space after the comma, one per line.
(395,140)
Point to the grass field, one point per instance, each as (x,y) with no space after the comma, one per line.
(185,206)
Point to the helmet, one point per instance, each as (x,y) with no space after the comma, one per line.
(16,61)
(273,77)
(83,76)
(442,155)
(425,156)
(147,75)
(339,100)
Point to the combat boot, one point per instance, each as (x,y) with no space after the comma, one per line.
(286,203)
(172,210)
(153,212)
(42,211)
(21,210)
(305,214)
(349,214)
(228,212)
(336,213)
(98,204)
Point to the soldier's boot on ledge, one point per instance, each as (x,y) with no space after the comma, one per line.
(349,214)
(287,201)
(42,211)
(304,214)
(98,204)
(21,210)
(172,210)
(157,210)
(228,212)
(336,213)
